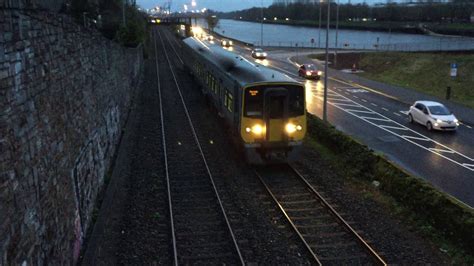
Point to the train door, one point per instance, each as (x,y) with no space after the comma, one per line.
(276,113)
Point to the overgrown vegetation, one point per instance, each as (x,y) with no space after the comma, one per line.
(447,222)
(119,20)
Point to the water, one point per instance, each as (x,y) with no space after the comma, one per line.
(291,36)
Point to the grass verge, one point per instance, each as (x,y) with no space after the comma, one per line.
(433,213)
(424,72)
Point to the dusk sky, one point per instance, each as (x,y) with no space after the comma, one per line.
(219,5)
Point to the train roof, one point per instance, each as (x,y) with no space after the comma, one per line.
(239,68)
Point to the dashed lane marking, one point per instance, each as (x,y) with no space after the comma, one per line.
(346,104)
(385,109)
(360,111)
(397,114)
(404,112)
(375,118)
(364,100)
(374,104)
(355,96)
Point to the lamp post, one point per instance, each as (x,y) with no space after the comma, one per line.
(337,31)
(123,12)
(319,28)
(261,23)
(325,115)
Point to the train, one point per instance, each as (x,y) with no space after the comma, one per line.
(264,109)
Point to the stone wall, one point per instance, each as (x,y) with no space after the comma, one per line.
(64,95)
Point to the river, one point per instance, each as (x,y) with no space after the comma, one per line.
(292,36)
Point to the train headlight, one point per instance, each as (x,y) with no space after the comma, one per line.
(259,54)
(308,73)
(292,128)
(230,42)
(264,54)
(320,73)
(256,129)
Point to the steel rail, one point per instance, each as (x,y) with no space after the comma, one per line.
(315,257)
(201,151)
(170,205)
(364,243)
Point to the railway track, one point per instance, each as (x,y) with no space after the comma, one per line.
(327,236)
(200,230)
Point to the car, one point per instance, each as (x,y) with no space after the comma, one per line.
(309,71)
(433,115)
(258,53)
(227,43)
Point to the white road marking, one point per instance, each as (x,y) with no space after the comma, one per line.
(397,114)
(467,126)
(360,111)
(355,96)
(385,109)
(410,139)
(392,127)
(346,104)
(441,150)
(374,104)
(376,118)
(364,100)
(417,138)
(404,112)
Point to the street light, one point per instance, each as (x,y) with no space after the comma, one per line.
(319,28)
(261,23)
(337,31)
(325,104)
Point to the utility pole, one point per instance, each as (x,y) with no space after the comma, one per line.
(325,104)
(261,23)
(319,28)
(124,22)
(337,31)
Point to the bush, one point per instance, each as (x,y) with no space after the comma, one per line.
(437,209)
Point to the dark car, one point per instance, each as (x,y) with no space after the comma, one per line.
(309,71)
(259,53)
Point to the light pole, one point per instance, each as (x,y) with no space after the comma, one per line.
(325,115)
(261,23)
(337,31)
(123,12)
(319,28)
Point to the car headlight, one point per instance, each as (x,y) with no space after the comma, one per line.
(439,120)
(455,120)
(308,73)
(256,129)
(292,128)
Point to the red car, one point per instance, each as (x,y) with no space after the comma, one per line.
(309,71)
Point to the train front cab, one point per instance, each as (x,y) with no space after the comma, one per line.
(273,122)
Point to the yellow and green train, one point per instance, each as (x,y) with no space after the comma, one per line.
(264,108)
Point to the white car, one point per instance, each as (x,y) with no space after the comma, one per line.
(433,115)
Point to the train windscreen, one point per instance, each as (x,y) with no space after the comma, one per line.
(254,102)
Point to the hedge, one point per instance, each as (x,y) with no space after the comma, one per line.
(449,217)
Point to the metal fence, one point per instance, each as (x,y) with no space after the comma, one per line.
(444,44)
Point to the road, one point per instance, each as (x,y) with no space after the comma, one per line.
(444,159)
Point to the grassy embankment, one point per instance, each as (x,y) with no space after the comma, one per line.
(423,72)
(449,224)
